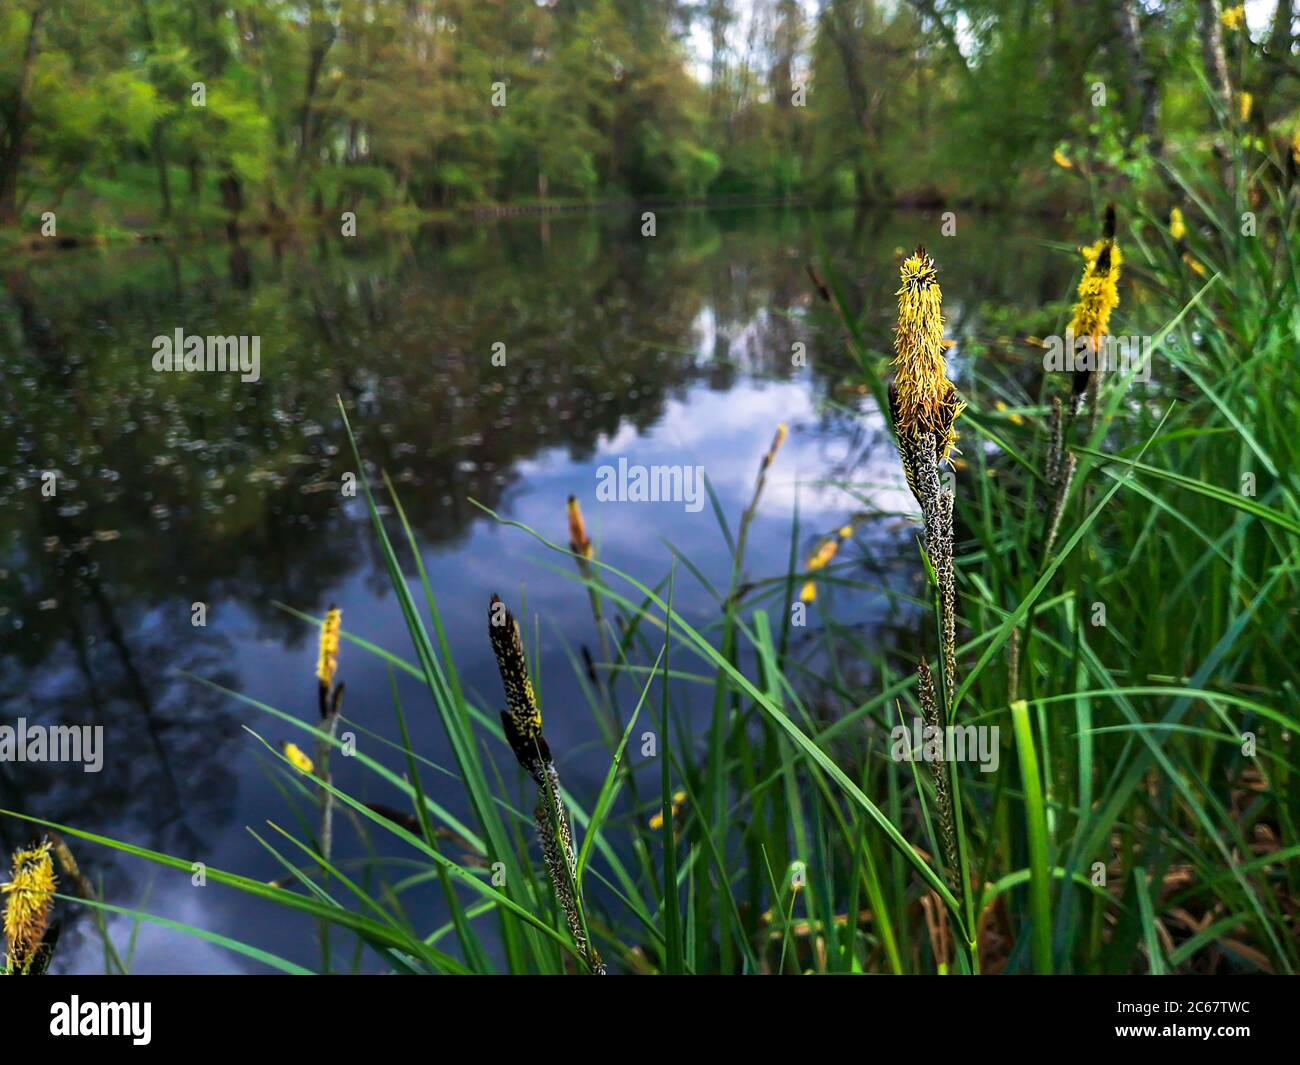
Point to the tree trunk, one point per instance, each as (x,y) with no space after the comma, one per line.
(1279,39)
(14,142)
(232,199)
(949,35)
(160,164)
(1216,72)
(840,26)
(1278,55)
(719,18)
(322,40)
(1130,31)
(1216,62)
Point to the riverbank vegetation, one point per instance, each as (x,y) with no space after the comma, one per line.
(1103,589)
(1109,583)
(124,119)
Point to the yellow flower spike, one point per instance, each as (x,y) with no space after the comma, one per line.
(1195,266)
(521,722)
(29,897)
(1245,104)
(1098,290)
(578,542)
(522,718)
(1058,157)
(298,759)
(1233,18)
(328,663)
(1177,228)
(821,558)
(923,399)
(1014,419)
(777,440)
(674,808)
(823,555)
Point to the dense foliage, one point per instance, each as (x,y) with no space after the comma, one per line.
(180,113)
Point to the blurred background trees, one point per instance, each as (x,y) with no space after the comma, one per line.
(137,113)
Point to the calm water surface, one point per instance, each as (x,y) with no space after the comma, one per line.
(176,489)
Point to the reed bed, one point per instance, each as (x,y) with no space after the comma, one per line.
(1115,592)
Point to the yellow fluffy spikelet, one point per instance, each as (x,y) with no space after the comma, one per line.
(821,558)
(28,899)
(329,646)
(925,400)
(1177,227)
(579,543)
(1098,291)
(298,758)
(675,808)
(778,438)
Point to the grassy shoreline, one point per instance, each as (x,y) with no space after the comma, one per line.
(27,238)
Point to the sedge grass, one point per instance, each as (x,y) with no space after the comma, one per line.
(1144,815)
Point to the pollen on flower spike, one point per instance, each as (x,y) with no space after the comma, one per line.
(778,439)
(579,544)
(328,662)
(1098,290)
(821,558)
(922,399)
(522,719)
(28,898)
(298,758)
(675,808)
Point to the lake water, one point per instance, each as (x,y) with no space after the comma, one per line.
(176,489)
